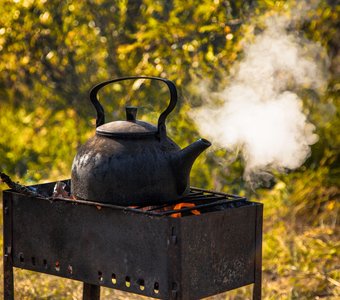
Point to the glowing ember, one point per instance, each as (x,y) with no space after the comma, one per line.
(184,205)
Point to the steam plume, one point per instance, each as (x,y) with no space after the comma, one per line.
(260,113)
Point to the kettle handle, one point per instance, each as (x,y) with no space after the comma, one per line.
(161,120)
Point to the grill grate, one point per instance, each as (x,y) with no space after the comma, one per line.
(204,201)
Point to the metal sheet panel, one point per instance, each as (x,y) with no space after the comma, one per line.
(98,246)
(218,251)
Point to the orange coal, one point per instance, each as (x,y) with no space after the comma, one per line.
(184,205)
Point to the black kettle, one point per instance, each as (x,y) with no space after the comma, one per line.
(133,162)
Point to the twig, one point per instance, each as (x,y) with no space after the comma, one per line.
(22,189)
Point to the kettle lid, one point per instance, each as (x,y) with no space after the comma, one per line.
(131,128)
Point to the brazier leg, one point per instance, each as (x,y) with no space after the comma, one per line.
(8,259)
(257,291)
(258,255)
(91,292)
(8,279)
(257,286)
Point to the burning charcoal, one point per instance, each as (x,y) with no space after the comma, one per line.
(182,205)
(59,190)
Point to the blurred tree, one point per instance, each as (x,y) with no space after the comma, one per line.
(53,52)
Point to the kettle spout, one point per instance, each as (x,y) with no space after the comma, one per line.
(185,159)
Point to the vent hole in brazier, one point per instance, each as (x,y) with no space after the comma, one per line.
(33,260)
(70,269)
(113,278)
(127,281)
(45,263)
(141,284)
(100,276)
(21,257)
(57,266)
(156,287)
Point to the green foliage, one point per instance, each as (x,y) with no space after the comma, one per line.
(53,52)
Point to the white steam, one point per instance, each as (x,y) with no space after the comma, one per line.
(260,113)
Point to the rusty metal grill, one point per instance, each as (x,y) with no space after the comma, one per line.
(141,250)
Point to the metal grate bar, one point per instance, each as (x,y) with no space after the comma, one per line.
(196,196)
(199,207)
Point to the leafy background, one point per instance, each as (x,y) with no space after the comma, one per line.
(53,52)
